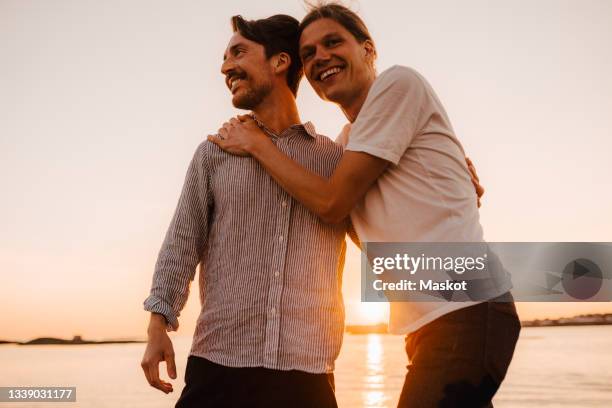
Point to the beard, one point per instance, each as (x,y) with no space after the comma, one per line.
(251,97)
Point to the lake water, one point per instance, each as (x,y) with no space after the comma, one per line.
(552,367)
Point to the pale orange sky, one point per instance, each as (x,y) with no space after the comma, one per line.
(103,104)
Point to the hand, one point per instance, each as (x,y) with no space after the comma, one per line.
(475,180)
(239,136)
(159,348)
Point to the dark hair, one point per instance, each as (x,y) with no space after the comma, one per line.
(340,14)
(278,33)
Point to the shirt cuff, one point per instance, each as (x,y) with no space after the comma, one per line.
(156,305)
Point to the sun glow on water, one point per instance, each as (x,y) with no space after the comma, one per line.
(372,312)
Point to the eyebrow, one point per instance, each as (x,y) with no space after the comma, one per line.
(326,37)
(306,48)
(232,49)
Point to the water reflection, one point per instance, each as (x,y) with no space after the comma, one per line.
(373,394)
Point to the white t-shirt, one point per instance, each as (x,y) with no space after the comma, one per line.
(426,193)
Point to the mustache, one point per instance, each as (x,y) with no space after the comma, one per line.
(235,75)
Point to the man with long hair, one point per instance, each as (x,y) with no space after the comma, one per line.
(403,178)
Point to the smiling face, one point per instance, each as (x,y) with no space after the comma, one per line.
(338,67)
(248,73)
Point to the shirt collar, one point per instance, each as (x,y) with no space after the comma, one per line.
(308,127)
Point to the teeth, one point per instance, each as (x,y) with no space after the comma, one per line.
(329,72)
(234,83)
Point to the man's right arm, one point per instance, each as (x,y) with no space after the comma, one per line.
(183,245)
(178,258)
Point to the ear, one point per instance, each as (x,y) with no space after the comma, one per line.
(370,50)
(281,62)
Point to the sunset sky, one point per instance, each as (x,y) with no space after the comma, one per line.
(103,104)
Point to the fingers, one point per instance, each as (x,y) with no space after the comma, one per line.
(473,173)
(246,120)
(229,126)
(472,169)
(170,365)
(154,375)
(216,139)
(480,190)
(145,368)
(475,180)
(223,133)
(232,122)
(157,382)
(151,372)
(226,127)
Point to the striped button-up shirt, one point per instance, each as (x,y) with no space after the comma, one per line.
(270,270)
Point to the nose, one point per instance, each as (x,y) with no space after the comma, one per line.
(321,55)
(227,66)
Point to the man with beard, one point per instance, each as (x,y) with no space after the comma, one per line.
(272,316)
(402,179)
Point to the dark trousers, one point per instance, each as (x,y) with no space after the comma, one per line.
(461,358)
(208,384)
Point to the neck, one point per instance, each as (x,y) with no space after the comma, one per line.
(278,110)
(353,105)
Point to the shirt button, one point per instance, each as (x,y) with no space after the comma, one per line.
(276,274)
(284,203)
(273,310)
(280,239)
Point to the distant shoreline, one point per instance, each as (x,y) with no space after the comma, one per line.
(582,320)
(76,340)
(381,328)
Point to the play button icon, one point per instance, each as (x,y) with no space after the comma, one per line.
(582,279)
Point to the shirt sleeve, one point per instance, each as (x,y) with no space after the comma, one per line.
(342,138)
(183,246)
(390,117)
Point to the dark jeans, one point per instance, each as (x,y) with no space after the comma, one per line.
(461,358)
(208,384)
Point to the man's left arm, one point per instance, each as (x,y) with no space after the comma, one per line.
(331,199)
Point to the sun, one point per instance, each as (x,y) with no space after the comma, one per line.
(373,312)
